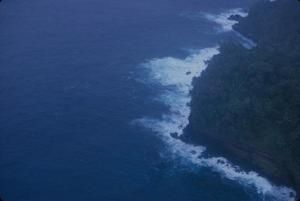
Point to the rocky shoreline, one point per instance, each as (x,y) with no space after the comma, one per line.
(241,104)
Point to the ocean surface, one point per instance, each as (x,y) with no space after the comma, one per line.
(91,93)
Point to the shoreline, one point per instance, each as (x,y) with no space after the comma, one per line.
(180,75)
(260,160)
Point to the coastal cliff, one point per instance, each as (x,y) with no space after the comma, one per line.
(247,101)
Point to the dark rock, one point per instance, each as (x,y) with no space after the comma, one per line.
(244,103)
(175,135)
(235,17)
(193,152)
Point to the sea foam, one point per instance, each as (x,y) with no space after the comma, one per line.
(175,77)
(223,19)
(225,24)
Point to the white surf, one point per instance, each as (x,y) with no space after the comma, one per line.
(175,77)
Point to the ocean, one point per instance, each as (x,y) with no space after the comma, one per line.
(93,92)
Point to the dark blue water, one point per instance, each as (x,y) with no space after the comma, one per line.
(69,93)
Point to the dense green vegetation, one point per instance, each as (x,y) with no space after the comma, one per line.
(248,101)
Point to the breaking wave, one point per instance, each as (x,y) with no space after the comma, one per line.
(175,77)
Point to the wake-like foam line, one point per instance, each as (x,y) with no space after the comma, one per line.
(175,77)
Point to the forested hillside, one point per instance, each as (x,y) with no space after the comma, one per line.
(248,101)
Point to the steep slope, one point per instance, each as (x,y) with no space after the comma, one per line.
(247,102)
